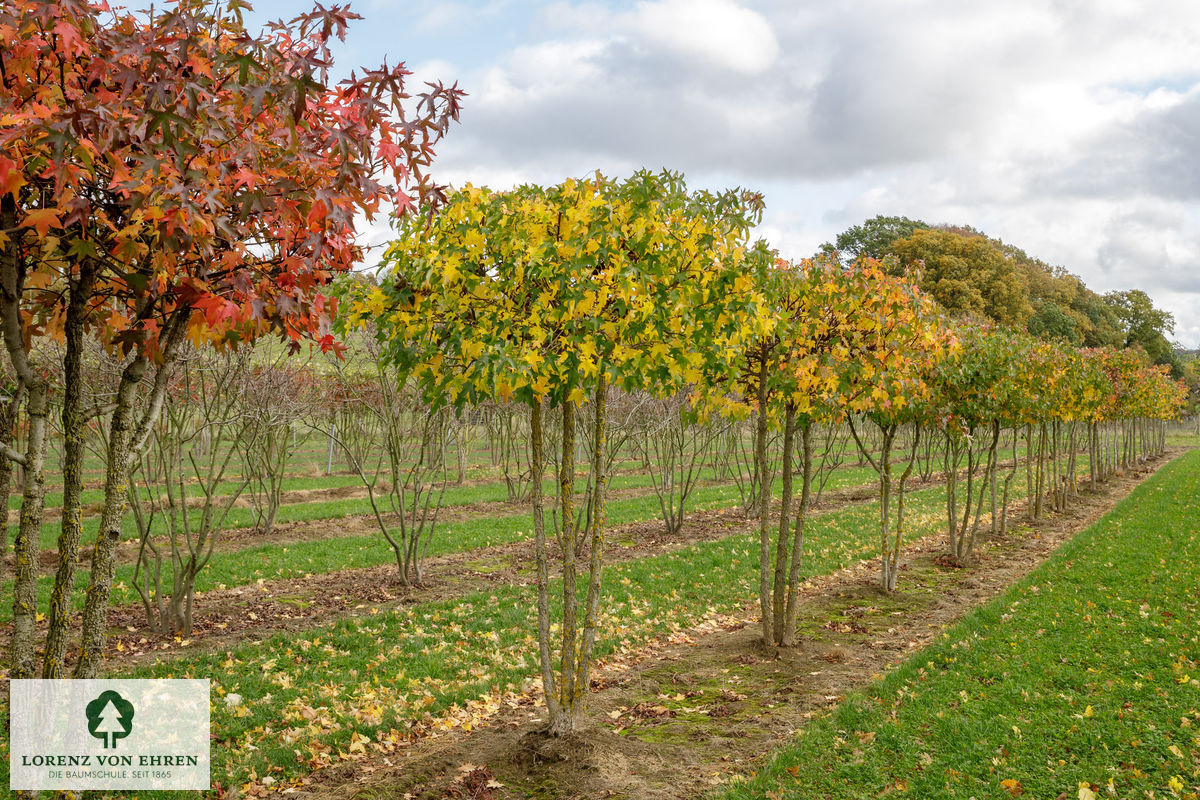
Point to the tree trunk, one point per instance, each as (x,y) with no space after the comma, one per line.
(1035,488)
(887,577)
(776,635)
(537,468)
(25,547)
(793,598)
(1093,461)
(8,431)
(994,472)
(461,441)
(1030,505)
(74,432)
(565,721)
(1008,479)
(961,548)
(950,464)
(1056,467)
(591,619)
(764,503)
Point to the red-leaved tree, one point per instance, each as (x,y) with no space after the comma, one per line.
(170,176)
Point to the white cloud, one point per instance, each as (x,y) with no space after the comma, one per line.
(708,32)
(1068,128)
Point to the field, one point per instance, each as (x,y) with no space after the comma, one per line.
(326,671)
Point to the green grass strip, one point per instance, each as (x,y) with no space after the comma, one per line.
(1083,678)
(494,492)
(276,560)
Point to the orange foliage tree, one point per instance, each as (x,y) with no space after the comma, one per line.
(168,176)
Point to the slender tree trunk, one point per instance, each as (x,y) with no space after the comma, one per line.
(898,534)
(994,473)
(1056,464)
(37,391)
(950,465)
(591,619)
(1073,459)
(537,467)
(961,549)
(564,722)
(461,442)
(1039,471)
(1008,479)
(1093,461)
(12,276)
(8,431)
(74,432)
(776,635)
(1108,456)
(887,580)
(764,504)
(1030,503)
(25,547)
(793,597)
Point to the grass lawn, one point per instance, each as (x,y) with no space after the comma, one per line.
(276,560)
(1082,681)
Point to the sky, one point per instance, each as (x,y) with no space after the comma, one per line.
(1070,128)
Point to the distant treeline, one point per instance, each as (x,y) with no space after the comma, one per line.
(973,275)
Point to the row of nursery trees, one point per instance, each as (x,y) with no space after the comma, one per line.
(172,184)
(560,298)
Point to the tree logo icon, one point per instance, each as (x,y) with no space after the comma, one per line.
(110,717)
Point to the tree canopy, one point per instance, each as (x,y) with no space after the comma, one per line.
(1145,326)
(966,274)
(873,238)
(972,275)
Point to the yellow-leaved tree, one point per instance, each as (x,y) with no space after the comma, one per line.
(884,379)
(840,340)
(547,296)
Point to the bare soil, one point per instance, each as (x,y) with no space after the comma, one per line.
(682,716)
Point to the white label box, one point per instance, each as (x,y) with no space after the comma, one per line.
(109,734)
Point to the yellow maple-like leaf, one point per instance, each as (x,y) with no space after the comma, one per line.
(375,302)
(472,349)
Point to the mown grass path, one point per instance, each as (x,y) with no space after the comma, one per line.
(1082,680)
